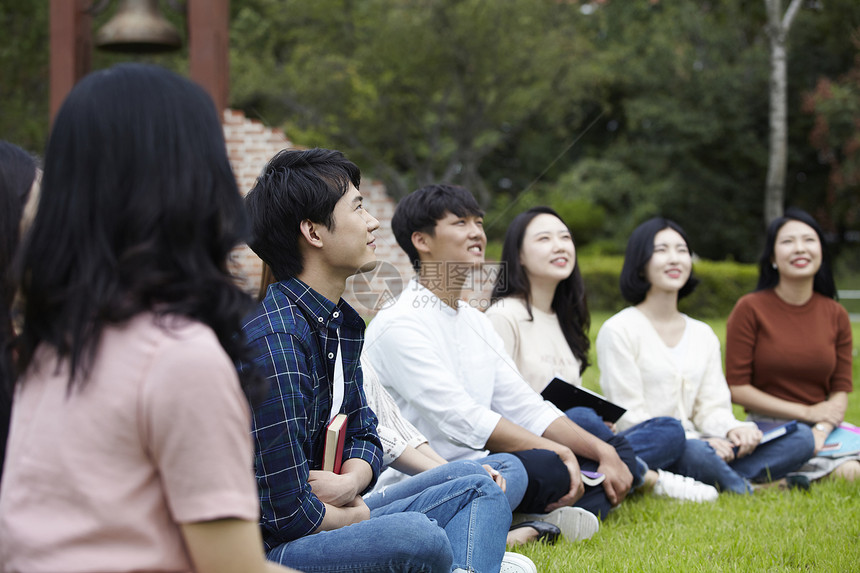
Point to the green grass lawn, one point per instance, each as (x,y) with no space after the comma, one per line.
(775,530)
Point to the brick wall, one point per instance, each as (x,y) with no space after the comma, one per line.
(250,145)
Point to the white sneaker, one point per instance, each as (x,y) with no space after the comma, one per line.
(683,488)
(517,563)
(575,523)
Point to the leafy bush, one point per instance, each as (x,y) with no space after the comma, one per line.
(601,282)
(584,218)
(721,284)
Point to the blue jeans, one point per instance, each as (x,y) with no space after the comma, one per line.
(549,479)
(512,469)
(508,465)
(397,543)
(657,443)
(768,462)
(471,508)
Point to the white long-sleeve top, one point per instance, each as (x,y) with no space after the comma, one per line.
(395,431)
(638,372)
(448,371)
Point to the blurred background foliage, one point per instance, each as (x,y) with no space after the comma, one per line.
(610,111)
(721,284)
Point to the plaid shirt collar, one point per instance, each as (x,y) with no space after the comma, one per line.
(319,310)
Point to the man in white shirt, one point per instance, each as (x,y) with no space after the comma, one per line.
(448,370)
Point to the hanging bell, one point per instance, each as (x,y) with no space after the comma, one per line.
(138,27)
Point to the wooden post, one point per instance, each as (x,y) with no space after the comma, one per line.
(71,48)
(208,48)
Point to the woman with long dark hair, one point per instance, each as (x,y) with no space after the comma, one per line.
(789,345)
(656,361)
(129,447)
(540,311)
(18,172)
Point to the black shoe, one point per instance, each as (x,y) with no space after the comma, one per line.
(547,532)
(800,482)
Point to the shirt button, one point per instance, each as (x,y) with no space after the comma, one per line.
(330,355)
(320,319)
(335,314)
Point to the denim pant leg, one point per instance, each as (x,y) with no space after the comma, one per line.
(701,462)
(509,466)
(595,499)
(777,458)
(419,482)
(659,441)
(514,472)
(398,543)
(548,479)
(472,510)
(590,421)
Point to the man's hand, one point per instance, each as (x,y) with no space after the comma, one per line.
(745,439)
(577,489)
(351,512)
(358,509)
(333,489)
(618,477)
(724,448)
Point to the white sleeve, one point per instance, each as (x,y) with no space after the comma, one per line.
(392,444)
(712,409)
(409,363)
(395,431)
(620,376)
(512,395)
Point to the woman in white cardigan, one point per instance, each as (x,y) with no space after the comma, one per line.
(656,361)
(539,310)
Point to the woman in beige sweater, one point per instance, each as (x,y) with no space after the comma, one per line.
(539,309)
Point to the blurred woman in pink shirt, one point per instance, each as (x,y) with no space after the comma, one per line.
(129,445)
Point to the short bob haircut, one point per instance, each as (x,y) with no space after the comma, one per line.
(139,212)
(768,277)
(421,209)
(640,247)
(295,185)
(569,302)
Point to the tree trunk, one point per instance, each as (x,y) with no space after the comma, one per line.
(777,31)
(775,187)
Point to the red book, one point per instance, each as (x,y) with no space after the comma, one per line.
(333,451)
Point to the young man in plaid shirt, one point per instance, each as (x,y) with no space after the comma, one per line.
(310,227)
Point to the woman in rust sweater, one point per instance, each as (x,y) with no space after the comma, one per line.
(788,344)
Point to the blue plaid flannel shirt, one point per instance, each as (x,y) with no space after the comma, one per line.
(292,334)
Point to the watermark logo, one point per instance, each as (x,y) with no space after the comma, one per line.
(465,276)
(377,289)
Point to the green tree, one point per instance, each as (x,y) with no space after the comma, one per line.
(24,73)
(419,91)
(835,105)
(684,131)
(25,67)
(823,53)
(685,122)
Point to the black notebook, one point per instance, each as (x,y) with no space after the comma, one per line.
(773,430)
(566,396)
